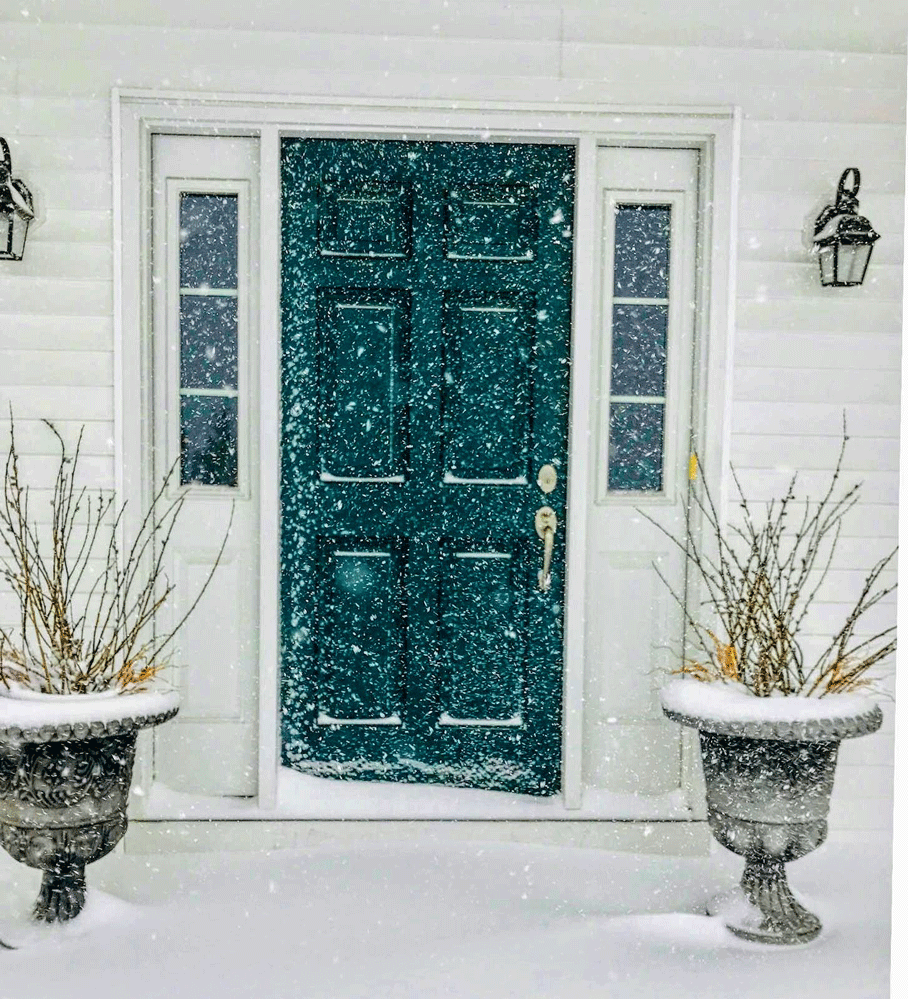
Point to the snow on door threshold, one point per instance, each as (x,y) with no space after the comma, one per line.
(303,796)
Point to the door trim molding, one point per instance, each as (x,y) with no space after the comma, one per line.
(137,114)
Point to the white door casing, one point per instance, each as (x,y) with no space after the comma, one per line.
(212,746)
(138,117)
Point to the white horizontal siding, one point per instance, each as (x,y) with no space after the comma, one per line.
(788,246)
(767,27)
(814,419)
(50,296)
(822,139)
(802,353)
(57,259)
(873,520)
(87,190)
(52,333)
(847,386)
(748,69)
(801,281)
(824,619)
(869,751)
(771,483)
(66,367)
(93,469)
(778,210)
(35,438)
(71,225)
(873,815)
(205,52)
(94,568)
(59,403)
(810,25)
(786,175)
(772,349)
(60,116)
(57,152)
(817,454)
(831,313)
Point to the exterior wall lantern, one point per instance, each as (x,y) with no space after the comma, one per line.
(16,208)
(842,239)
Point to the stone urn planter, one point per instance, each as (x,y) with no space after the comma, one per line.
(769,764)
(65,773)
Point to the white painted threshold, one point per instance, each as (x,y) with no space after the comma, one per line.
(302,797)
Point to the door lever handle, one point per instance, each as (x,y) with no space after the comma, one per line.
(546,522)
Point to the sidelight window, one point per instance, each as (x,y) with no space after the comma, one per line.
(639,347)
(208,343)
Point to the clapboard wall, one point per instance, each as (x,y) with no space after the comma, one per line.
(802,354)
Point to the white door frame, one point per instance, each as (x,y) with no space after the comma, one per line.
(137,114)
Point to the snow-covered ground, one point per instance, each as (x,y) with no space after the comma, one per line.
(465,920)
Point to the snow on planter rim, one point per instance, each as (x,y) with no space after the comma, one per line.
(731,710)
(53,718)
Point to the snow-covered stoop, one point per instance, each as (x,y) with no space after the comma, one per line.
(461,921)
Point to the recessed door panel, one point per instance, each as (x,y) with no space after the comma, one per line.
(363,350)
(485,392)
(361,635)
(484,664)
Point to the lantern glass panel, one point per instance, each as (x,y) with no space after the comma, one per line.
(20,227)
(827,264)
(853,260)
(13,228)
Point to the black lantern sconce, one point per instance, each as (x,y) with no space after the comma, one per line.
(16,209)
(842,239)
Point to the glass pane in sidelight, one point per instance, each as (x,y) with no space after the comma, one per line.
(641,251)
(639,339)
(208,341)
(208,440)
(208,240)
(635,446)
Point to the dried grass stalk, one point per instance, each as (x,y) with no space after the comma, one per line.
(760,580)
(68,642)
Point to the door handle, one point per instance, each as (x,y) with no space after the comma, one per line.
(546,522)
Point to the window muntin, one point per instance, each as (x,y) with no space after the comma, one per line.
(209,338)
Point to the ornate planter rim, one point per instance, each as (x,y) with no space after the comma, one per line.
(727,712)
(79,716)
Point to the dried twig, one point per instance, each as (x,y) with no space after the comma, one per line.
(760,584)
(67,641)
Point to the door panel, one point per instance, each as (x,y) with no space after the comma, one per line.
(425,306)
(363,349)
(361,651)
(635,631)
(205,402)
(480,664)
(484,404)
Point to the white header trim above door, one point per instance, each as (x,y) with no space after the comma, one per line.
(137,114)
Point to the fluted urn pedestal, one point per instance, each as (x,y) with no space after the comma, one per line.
(768,765)
(65,774)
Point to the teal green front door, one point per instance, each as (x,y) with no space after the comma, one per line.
(426,324)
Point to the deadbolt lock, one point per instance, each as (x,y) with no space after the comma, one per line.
(547,478)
